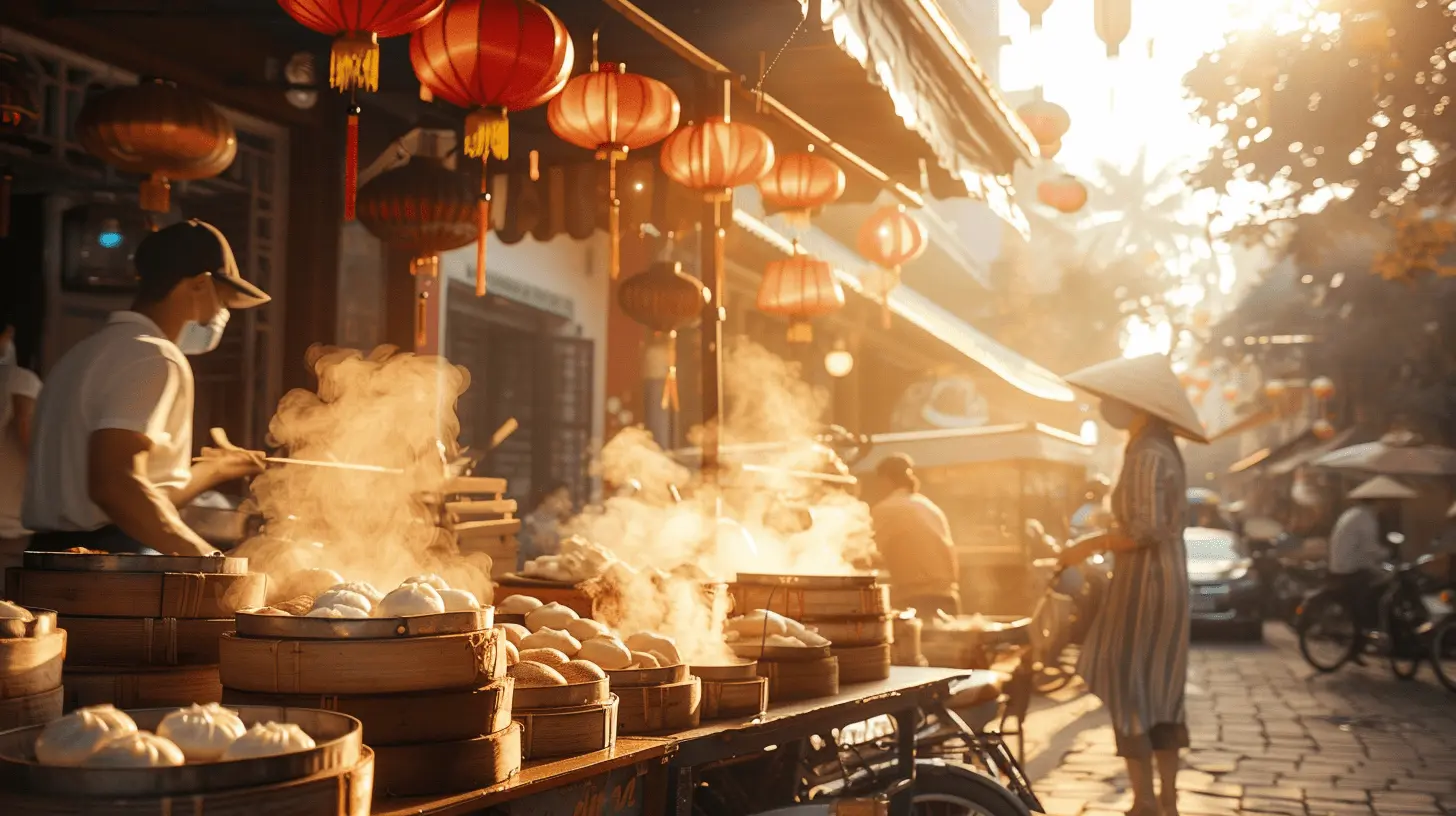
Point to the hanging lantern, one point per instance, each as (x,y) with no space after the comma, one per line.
(1202,378)
(1047,121)
(1113,21)
(1035,9)
(1065,194)
(1322,387)
(611,111)
(1322,429)
(664,299)
(18,112)
(800,183)
(1050,151)
(356,26)
(716,156)
(424,209)
(1230,392)
(800,288)
(1276,389)
(160,130)
(492,57)
(839,361)
(890,238)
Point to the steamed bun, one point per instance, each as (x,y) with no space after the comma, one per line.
(345,597)
(515,632)
(363,588)
(659,644)
(550,616)
(411,599)
(529,674)
(584,629)
(582,671)
(72,738)
(644,660)
(458,600)
(517,605)
(202,732)
(607,652)
(554,658)
(268,739)
(513,655)
(551,639)
(139,749)
(427,578)
(340,611)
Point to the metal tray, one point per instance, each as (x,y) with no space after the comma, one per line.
(854,581)
(788,654)
(304,628)
(659,676)
(743,670)
(339,739)
(41,625)
(81,562)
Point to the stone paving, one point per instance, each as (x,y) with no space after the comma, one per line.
(1270,736)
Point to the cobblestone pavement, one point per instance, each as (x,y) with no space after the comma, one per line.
(1270,736)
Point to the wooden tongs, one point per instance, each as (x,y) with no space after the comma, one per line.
(220,439)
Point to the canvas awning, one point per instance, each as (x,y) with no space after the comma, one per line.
(998,443)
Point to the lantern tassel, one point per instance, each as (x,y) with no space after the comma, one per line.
(669,385)
(351,164)
(6,179)
(354,62)
(614,217)
(422,319)
(156,194)
(487,131)
(801,331)
(482,223)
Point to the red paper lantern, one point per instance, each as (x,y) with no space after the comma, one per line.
(717,155)
(1047,121)
(160,130)
(800,183)
(611,111)
(1323,430)
(800,288)
(493,57)
(889,238)
(1065,194)
(356,26)
(1322,387)
(664,299)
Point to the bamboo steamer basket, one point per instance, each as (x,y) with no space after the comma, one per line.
(18,712)
(853,631)
(42,622)
(661,675)
(341,667)
(734,698)
(31,665)
(668,707)
(570,695)
(800,679)
(433,768)
(142,688)
(863,664)
(128,642)
(398,719)
(553,732)
(907,644)
(339,792)
(812,596)
(137,594)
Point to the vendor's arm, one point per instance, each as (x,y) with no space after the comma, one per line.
(216,467)
(1153,503)
(117,482)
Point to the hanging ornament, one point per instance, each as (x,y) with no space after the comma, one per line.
(1050,151)
(664,299)
(19,110)
(716,156)
(801,183)
(1065,193)
(356,26)
(800,288)
(1113,21)
(160,130)
(1047,121)
(1322,387)
(491,57)
(424,209)
(612,112)
(890,238)
(1322,429)
(1276,389)
(1035,9)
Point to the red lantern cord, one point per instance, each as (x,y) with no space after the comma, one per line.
(351,164)
(482,221)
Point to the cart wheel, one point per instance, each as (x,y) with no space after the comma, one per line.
(952,789)
(1443,652)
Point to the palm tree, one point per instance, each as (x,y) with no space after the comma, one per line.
(1135,211)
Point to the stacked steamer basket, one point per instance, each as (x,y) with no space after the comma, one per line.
(430,690)
(483,520)
(577,718)
(335,776)
(143,629)
(732,690)
(562,711)
(31,654)
(656,700)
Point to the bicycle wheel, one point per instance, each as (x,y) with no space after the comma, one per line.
(1443,652)
(1328,636)
(1402,616)
(952,789)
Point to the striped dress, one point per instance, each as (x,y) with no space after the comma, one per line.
(1136,655)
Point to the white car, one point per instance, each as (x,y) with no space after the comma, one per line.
(1223,589)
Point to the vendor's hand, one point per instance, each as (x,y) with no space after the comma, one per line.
(225,464)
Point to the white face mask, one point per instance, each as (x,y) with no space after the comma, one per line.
(196,338)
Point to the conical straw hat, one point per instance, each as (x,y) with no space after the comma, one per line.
(1147,384)
(1382,487)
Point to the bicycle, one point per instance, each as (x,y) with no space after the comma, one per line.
(1329,636)
(1443,640)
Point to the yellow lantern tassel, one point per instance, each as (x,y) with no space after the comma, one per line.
(801,331)
(669,385)
(156,194)
(487,131)
(482,223)
(614,217)
(354,62)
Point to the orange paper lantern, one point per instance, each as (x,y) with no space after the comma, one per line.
(717,155)
(1065,194)
(800,183)
(1113,21)
(1322,429)
(1322,387)
(1230,392)
(800,288)
(1047,121)
(1276,389)
(890,238)
(665,299)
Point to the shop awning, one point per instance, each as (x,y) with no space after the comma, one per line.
(1297,459)
(998,443)
(1272,454)
(910,305)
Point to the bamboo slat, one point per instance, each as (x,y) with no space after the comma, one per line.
(18,712)
(395,666)
(336,793)
(661,675)
(800,680)
(853,631)
(395,719)
(31,665)
(800,602)
(567,696)
(142,688)
(432,768)
(137,594)
(552,732)
(862,664)
(475,485)
(734,698)
(128,642)
(669,707)
(741,670)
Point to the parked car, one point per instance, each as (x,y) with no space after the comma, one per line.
(1224,588)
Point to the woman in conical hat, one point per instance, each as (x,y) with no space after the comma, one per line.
(1136,655)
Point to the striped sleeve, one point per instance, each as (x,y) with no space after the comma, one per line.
(1152,512)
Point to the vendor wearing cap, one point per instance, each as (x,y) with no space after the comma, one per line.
(913,538)
(111,459)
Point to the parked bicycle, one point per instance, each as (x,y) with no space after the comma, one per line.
(1329,636)
(1443,638)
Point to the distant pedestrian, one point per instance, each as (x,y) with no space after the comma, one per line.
(1357,548)
(912,535)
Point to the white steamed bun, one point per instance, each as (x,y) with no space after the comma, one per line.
(551,639)
(345,597)
(517,605)
(340,611)
(139,749)
(203,732)
(550,616)
(268,739)
(72,738)
(427,578)
(411,599)
(364,588)
(459,600)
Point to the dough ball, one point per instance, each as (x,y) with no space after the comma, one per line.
(203,732)
(411,599)
(336,612)
(757,624)
(584,629)
(515,632)
(582,671)
(607,652)
(72,738)
(364,588)
(783,640)
(659,644)
(530,675)
(551,639)
(345,597)
(427,578)
(459,600)
(139,749)
(268,739)
(513,655)
(550,616)
(546,657)
(517,605)
(644,660)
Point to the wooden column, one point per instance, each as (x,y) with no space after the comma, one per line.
(717,211)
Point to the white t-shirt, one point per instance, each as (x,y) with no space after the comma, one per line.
(14,381)
(1355,542)
(128,377)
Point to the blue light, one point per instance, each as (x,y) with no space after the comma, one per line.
(109,240)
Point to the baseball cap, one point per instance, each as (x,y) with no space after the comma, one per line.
(189,248)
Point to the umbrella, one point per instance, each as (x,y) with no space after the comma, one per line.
(1394,455)
(1202,495)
